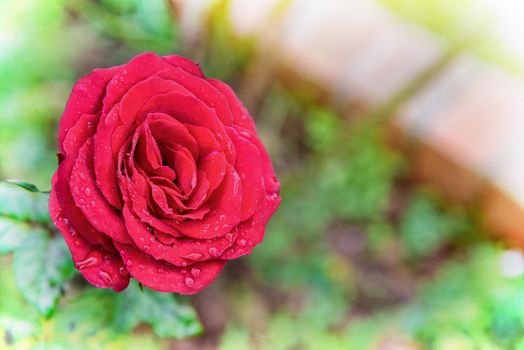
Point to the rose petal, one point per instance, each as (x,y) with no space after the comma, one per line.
(101,268)
(84,99)
(270,180)
(87,197)
(168,131)
(184,63)
(165,277)
(251,232)
(146,241)
(241,116)
(249,167)
(189,110)
(136,70)
(226,203)
(202,90)
(205,140)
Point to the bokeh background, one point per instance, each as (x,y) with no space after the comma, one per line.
(396,130)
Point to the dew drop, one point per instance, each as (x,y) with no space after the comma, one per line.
(87,191)
(90,261)
(236,185)
(123,271)
(105,277)
(81,201)
(193,256)
(129,263)
(93,204)
(222,217)
(195,271)
(241,242)
(146,247)
(189,281)
(213,251)
(160,270)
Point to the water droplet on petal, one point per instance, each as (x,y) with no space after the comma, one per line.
(241,242)
(87,191)
(91,260)
(129,263)
(93,203)
(189,281)
(195,271)
(146,247)
(213,251)
(193,256)
(222,217)
(105,277)
(123,271)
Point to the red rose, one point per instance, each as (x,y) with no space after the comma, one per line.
(161,176)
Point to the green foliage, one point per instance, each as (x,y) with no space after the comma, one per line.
(140,24)
(424,228)
(12,233)
(24,184)
(42,266)
(22,205)
(165,314)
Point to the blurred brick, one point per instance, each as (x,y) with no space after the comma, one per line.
(468,124)
(357,49)
(457,181)
(472,128)
(415,114)
(504,215)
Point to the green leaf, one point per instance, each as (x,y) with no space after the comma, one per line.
(165,314)
(424,227)
(12,233)
(41,267)
(19,204)
(85,322)
(24,184)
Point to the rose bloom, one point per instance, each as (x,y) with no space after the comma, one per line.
(161,176)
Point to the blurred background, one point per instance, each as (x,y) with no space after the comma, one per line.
(396,130)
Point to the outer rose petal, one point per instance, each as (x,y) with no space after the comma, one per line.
(85,98)
(164,277)
(99,267)
(186,64)
(241,116)
(249,168)
(251,232)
